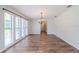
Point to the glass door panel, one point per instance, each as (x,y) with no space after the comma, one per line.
(8,29)
(17,28)
(23,27)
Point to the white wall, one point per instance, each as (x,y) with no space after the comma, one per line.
(67,26)
(34,26)
(50,26)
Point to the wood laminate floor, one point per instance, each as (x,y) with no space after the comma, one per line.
(42,43)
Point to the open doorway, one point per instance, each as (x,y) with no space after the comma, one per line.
(43,26)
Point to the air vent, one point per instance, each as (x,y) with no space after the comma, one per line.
(69,6)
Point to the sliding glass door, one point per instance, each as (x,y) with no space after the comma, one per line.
(24,27)
(8,18)
(15,28)
(23,31)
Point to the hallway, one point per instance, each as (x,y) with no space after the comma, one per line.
(42,44)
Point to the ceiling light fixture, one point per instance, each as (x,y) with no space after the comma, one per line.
(43,14)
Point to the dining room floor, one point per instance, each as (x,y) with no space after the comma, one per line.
(42,43)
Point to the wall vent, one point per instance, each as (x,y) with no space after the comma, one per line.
(69,6)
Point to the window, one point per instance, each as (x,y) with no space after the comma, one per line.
(15,27)
(8,18)
(24,27)
(23,31)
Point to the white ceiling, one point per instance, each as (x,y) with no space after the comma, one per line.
(33,11)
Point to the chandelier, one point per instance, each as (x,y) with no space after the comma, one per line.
(43,15)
